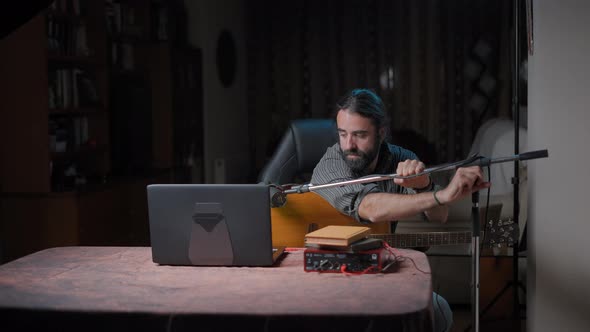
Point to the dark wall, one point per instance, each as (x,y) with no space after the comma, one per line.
(442,67)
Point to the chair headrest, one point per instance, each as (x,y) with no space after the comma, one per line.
(300,149)
(312,138)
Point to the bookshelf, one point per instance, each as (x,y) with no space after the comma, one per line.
(156,89)
(66,76)
(78,94)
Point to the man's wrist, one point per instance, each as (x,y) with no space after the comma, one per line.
(438,202)
(428,187)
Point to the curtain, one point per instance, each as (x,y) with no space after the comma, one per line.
(441,67)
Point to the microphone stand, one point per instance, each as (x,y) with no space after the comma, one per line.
(474,160)
(475,259)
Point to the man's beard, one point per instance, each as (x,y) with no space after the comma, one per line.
(365,158)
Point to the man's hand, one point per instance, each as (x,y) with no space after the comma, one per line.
(466,181)
(411,167)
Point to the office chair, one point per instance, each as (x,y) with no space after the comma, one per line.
(300,149)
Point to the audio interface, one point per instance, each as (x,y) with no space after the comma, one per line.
(368,261)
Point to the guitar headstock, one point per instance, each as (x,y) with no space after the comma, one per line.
(500,233)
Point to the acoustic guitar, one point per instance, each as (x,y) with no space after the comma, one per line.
(307,212)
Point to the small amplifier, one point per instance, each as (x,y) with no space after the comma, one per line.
(371,261)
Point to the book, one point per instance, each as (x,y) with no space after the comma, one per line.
(337,235)
(357,246)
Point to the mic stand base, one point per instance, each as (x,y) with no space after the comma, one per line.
(518,308)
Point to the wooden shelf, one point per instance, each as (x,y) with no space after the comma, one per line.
(130,39)
(57,58)
(80,151)
(83,111)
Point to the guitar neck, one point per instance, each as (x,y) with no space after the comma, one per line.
(415,240)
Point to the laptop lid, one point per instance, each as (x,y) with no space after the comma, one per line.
(210,224)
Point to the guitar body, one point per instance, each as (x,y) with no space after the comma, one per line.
(306,212)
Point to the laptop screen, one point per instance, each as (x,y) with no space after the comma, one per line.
(210,224)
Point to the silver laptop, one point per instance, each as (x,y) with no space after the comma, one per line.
(211,224)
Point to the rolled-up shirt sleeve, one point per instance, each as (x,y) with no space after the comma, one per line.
(346,199)
(367,188)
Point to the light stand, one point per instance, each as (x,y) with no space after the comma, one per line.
(516,180)
(514,283)
(475,259)
(279,199)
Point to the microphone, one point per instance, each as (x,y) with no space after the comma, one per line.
(483,161)
(278,198)
(534,155)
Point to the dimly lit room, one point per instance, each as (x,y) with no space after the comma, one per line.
(458,124)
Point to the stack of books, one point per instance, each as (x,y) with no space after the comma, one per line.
(342,238)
